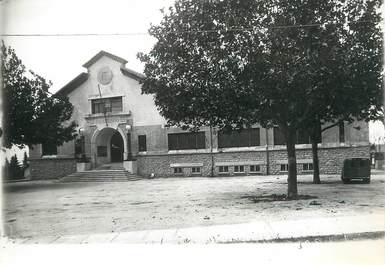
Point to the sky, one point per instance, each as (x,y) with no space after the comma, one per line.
(60,59)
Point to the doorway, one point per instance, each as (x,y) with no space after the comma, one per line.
(117,147)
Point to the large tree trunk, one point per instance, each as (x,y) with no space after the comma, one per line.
(314,149)
(292,192)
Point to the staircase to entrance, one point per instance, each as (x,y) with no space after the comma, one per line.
(112,172)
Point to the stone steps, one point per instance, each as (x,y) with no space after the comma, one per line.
(100,176)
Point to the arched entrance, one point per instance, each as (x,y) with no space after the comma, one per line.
(116,147)
(107,146)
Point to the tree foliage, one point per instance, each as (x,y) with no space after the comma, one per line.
(25,161)
(288,63)
(32,114)
(13,169)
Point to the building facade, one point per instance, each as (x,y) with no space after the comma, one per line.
(117,122)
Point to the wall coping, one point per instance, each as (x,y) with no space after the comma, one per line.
(299,161)
(186,165)
(205,152)
(51,158)
(238,163)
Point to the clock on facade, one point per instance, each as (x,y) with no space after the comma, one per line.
(105,76)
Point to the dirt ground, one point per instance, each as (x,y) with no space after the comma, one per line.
(48,208)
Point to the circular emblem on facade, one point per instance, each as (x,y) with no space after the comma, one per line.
(105,76)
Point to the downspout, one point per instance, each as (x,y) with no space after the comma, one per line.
(267,152)
(211,151)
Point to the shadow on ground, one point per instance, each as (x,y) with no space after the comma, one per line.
(34,186)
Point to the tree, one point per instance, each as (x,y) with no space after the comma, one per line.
(25,161)
(359,94)
(15,171)
(231,64)
(6,169)
(32,114)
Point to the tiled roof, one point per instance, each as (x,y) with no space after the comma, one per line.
(130,73)
(73,84)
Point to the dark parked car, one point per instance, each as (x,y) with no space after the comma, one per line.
(356,169)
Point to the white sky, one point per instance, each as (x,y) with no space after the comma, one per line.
(60,59)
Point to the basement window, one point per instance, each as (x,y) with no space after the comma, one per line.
(223,169)
(195,170)
(239,169)
(178,170)
(255,168)
(307,167)
(284,168)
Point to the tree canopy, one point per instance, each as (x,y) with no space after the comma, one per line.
(32,114)
(286,63)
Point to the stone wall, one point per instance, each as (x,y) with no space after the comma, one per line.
(331,160)
(51,168)
(160,164)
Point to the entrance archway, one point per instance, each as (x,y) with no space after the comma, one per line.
(108,145)
(116,147)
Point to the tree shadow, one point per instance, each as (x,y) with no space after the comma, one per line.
(275,197)
(37,186)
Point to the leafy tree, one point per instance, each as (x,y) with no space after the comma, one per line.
(32,114)
(357,93)
(232,64)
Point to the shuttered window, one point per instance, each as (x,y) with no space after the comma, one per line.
(142,143)
(244,138)
(302,137)
(49,149)
(279,137)
(183,141)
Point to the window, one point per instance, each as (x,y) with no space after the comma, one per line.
(302,137)
(341,129)
(239,169)
(284,167)
(105,105)
(279,137)
(49,149)
(196,170)
(244,138)
(102,151)
(307,166)
(223,169)
(142,143)
(178,170)
(255,168)
(183,141)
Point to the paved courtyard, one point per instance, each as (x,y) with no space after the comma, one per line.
(48,208)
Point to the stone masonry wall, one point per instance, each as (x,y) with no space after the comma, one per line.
(51,168)
(160,164)
(331,160)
